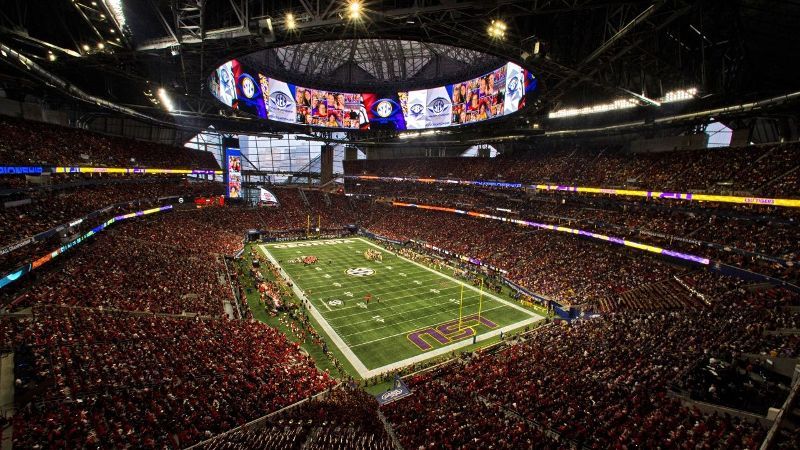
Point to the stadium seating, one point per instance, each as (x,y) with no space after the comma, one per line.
(755,232)
(123,341)
(341,419)
(102,379)
(75,199)
(603,382)
(770,168)
(27,143)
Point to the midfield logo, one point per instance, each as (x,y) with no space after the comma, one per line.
(360,272)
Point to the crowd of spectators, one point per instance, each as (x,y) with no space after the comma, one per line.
(760,237)
(27,143)
(340,419)
(115,271)
(559,266)
(105,360)
(104,379)
(602,383)
(759,169)
(50,208)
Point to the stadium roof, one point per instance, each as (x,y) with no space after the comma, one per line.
(371,62)
(583,51)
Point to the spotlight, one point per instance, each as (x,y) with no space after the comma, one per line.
(290,23)
(497,29)
(101,46)
(354,9)
(86,47)
(165,100)
(51,56)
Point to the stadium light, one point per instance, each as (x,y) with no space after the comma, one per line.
(679,95)
(165,100)
(290,23)
(354,8)
(51,56)
(115,6)
(594,109)
(86,47)
(101,46)
(497,29)
(669,97)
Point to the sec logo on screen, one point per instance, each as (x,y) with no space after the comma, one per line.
(513,86)
(437,106)
(416,109)
(280,100)
(384,109)
(248,87)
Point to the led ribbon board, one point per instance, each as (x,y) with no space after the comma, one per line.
(135,170)
(18,273)
(784,202)
(603,237)
(38,170)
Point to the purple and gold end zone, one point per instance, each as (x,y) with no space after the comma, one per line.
(448,332)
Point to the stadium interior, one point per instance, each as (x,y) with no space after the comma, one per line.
(399,224)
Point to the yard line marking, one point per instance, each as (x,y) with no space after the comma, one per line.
(467,285)
(392,301)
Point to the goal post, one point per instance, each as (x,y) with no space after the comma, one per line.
(461,307)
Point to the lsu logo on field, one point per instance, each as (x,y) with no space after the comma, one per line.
(360,272)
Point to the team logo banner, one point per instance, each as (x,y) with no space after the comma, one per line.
(249,93)
(267,196)
(223,84)
(384,110)
(398,391)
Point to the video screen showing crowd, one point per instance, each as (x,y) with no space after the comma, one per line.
(491,95)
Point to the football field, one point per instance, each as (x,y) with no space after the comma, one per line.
(413,311)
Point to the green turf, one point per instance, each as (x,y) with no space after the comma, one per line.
(411,298)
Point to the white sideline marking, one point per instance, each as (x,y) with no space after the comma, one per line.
(357,364)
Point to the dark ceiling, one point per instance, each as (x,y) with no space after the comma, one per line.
(589,50)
